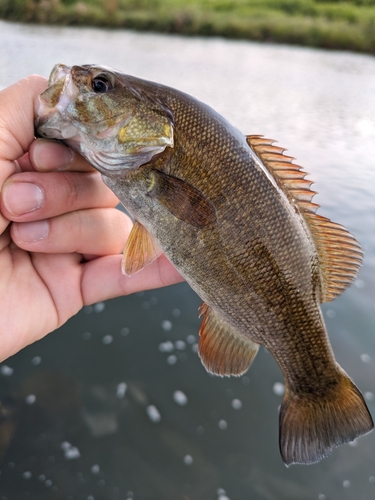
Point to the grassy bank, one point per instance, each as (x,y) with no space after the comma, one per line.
(348,25)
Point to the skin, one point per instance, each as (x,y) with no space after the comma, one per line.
(63,248)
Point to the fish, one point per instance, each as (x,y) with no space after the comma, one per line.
(235,216)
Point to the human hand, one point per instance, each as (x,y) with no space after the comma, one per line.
(63,248)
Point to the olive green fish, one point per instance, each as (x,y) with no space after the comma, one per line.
(235,217)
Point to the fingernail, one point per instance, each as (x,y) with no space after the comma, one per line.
(32,231)
(22,197)
(50,155)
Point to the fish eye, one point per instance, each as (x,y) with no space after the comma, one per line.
(101,84)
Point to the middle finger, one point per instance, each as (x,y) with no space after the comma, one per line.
(31,196)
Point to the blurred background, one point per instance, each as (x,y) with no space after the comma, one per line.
(115,405)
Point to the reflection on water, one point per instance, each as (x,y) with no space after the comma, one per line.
(116,404)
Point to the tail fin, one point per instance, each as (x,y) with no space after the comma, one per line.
(312,425)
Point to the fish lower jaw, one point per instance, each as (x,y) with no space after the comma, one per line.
(55,133)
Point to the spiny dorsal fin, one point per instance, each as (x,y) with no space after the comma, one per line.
(340,254)
(288,176)
(223,351)
(140,250)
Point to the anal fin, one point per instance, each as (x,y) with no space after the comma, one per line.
(140,250)
(222,350)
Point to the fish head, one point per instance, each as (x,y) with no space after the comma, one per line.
(100,113)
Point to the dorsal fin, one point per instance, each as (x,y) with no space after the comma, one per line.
(288,176)
(340,254)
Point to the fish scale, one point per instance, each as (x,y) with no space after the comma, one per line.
(235,216)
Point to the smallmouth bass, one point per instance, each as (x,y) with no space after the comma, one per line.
(236,218)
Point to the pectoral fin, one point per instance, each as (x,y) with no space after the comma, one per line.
(222,350)
(140,250)
(183,200)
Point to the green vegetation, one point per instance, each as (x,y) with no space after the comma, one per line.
(334,24)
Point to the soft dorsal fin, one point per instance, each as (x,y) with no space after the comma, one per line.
(222,350)
(140,250)
(340,254)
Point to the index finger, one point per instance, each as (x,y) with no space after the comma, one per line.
(47,155)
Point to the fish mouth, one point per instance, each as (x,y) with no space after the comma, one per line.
(58,72)
(51,122)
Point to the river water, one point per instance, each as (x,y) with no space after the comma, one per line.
(116,405)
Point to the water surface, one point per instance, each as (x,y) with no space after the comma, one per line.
(115,404)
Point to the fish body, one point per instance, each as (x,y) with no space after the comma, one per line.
(235,217)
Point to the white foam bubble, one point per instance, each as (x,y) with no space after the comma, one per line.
(180,345)
(70,452)
(30,399)
(121,390)
(223,425)
(172,359)
(95,469)
(99,307)
(180,398)
(222,494)
(153,414)
(188,460)
(359,283)
(107,339)
(166,346)
(330,313)
(369,396)
(236,404)
(6,370)
(36,360)
(166,325)
(366,358)
(278,388)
